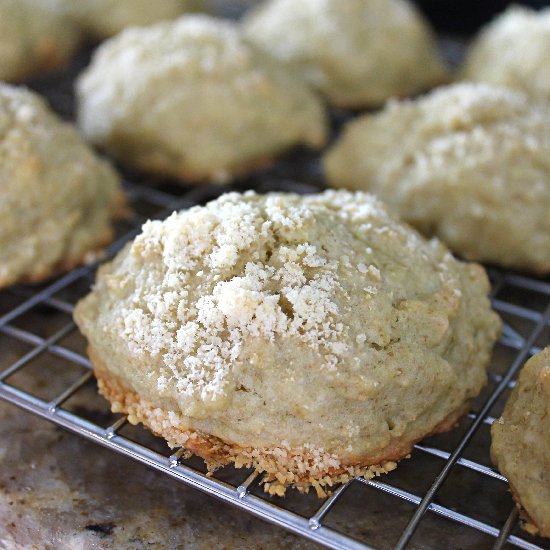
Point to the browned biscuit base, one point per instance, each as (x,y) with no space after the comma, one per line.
(185,175)
(283,467)
(527,523)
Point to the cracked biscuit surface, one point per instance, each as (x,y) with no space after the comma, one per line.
(57,198)
(356,52)
(513,51)
(33,37)
(521,443)
(191,100)
(468,163)
(313,338)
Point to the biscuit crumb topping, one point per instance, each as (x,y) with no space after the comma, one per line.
(512,51)
(286,288)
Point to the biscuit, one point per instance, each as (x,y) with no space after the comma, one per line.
(513,51)
(57,198)
(356,52)
(521,443)
(313,338)
(469,163)
(33,38)
(191,100)
(104,18)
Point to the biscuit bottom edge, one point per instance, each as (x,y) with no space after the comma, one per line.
(119,211)
(62,266)
(282,466)
(185,175)
(527,523)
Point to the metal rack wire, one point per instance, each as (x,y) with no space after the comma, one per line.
(523,302)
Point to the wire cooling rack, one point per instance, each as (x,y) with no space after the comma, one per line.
(446,495)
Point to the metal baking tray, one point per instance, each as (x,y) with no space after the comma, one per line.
(447,490)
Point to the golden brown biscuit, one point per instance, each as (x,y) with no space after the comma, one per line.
(33,37)
(513,51)
(191,100)
(468,163)
(521,443)
(356,52)
(57,199)
(313,338)
(104,18)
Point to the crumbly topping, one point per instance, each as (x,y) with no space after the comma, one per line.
(465,105)
(16,105)
(521,22)
(210,43)
(291,294)
(512,51)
